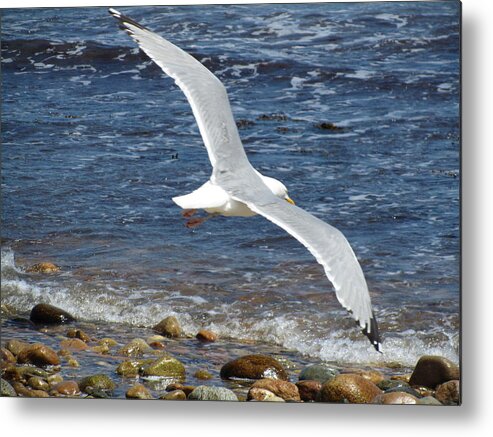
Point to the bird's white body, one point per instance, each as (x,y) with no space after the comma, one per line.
(215,200)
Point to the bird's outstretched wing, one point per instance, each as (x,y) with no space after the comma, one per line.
(233,172)
(205,94)
(326,243)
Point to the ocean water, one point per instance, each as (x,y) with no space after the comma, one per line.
(96,140)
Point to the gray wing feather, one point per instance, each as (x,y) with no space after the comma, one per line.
(205,93)
(326,243)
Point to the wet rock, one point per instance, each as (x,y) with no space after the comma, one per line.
(67,388)
(428,400)
(387,384)
(7,310)
(187,389)
(48,314)
(98,382)
(403,378)
(349,387)
(16,346)
(328,126)
(254,367)
(448,393)
(107,342)
(6,390)
(262,395)
(432,370)
(284,389)
(206,336)
(202,374)
(371,375)
(138,391)
(318,372)
(43,267)
(53,380)
(169,327)
(7,357)
(174,395)
(72,362)
(405,389)
(394,398)
(26,392)
(23,373)
(101,349)
(308,389)
(39,355)
(77,333)
(73,344)
(206,393)
(423,391)
(136,348)
(131,368)
(166,366)
(38,383)
(273,117)
(243,123)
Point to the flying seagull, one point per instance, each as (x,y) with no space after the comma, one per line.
(235,188)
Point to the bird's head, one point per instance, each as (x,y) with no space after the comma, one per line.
(277,188)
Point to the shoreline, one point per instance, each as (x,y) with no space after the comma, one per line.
(80,350)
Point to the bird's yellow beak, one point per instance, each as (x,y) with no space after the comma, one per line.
(289,200)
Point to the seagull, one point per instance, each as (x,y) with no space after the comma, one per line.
(235,188)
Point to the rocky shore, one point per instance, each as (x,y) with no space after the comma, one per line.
(48,353)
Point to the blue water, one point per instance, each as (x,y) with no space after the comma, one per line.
(96,140)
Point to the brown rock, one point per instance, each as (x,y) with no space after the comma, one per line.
(371,375)
(448,393)
(136,348)
(432,370)
(73,344)
(16,346)
(396,397)
(38,383)
(206,336)
(7,357)
(138,391)
(175,395)
(308,389)
(202,374)
(49,314)
(284,389)
(107,342)
(262,395)
(254,367)
(39,355)
(349,387)
(404,378)
(169,327)
(23,391)
(77,333)
(67,388)
(43,267)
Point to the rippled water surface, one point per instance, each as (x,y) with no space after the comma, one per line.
(355,107)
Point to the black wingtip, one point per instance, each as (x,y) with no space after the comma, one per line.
(123,19)
(373,334)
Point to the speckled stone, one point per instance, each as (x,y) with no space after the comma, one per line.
(349,387)
(138,391)
(211,393)
(318,372)
(39,355)
(284,389)
(254,367)
(169,327)
(394,398)
(308,389)
(448,393)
